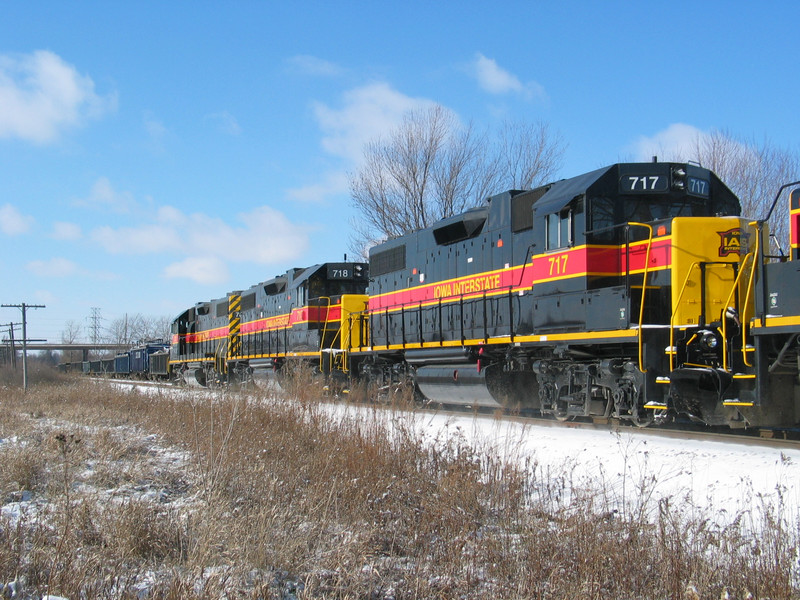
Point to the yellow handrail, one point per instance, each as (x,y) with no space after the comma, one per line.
(324,327)
(725,308)
(644,288)
(749,291)
(220,364)
(674,312)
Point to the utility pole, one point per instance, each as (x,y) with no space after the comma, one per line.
(24,307)
(12,348)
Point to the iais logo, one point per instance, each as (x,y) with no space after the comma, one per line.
(731,241)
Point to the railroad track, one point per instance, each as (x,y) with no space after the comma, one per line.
(761,437)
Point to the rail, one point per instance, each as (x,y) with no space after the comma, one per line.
(327,306)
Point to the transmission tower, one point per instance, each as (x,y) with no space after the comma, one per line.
(94,325)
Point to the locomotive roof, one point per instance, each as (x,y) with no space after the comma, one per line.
(562,192)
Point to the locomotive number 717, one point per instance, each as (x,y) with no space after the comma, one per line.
(558,264)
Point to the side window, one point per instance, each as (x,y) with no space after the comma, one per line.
(559,229)
(551,235)
(565,228)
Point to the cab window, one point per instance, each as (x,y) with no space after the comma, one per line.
(558,227)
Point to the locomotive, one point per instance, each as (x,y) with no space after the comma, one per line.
(251,335)
(635,292)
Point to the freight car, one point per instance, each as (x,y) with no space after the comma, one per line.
(146,360)
(622,293)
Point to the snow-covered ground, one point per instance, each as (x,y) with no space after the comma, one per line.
(723,479)
(630,469)
(719,479)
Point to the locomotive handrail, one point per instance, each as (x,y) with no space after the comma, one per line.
(775,201)
(640,333)
(220,355)
(528,253)
(726,304)
(438,304)
(325,323)
(674,312)
(757,252)
(759,227)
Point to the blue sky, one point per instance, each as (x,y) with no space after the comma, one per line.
(153,155)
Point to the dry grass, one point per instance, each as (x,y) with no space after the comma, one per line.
(127,495)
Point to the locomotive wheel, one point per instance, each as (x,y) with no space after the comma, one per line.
(243,379)
(642,417)
(561,410)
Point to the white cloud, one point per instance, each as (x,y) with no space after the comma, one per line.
(331,183)
(145,239)
(47,298)
(104,196)
(249,242)
(202,269)
(311,65)
(41,95)
(367,112)
(494,79)
(67,232)
(225,122)
(12,222)
(55,267)
(677,140)
(205,240)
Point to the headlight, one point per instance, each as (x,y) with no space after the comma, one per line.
(709,340)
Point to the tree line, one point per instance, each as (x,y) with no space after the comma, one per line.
(127,330)
(431,167)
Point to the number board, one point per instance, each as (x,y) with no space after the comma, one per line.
(643,184)
(698,187)
(340,271)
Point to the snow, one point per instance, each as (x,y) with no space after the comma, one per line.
(721,478)
(630,467)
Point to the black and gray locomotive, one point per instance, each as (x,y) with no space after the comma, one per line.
(633,292)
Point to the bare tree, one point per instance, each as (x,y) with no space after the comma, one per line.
(754,172)
(529,155)
(134,328)
(70,335)
(431,167)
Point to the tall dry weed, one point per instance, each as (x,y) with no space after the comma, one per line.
(246,495)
